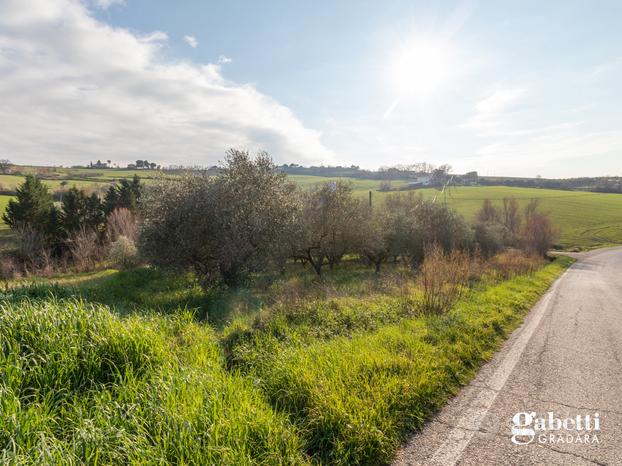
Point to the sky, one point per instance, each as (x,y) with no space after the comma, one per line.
(512,88)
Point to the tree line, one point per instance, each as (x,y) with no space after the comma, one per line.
(251,218)
(75,227)
(601,184)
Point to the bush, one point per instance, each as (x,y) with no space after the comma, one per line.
(442,278)
(121,222)
(538,234)
(124,253)
(489,238)
(514,262)
(413,222)
(9,268)
(84,248)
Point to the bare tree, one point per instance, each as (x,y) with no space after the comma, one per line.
(121,222)
(511,218)
(488,213)
(5,166)
(84,248)
(538,232)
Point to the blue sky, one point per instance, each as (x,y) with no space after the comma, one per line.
(505,88)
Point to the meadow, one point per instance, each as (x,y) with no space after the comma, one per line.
(585,220)
(140,367)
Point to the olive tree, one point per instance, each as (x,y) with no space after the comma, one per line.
(326,223)
(374,236)
(412,223)
(225,227)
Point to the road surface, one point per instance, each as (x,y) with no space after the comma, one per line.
(566,359)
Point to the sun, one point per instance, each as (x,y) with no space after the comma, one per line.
(418,68)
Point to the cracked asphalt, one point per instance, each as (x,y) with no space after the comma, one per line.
(565,359)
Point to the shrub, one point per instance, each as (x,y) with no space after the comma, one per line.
(121,222)
(413,222)
(123,253)
(538,234)
(442,278)
(489,238)
(514,262)
(84,248)
(9,268)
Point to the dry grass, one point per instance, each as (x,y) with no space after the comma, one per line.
(442,278)
(513,262)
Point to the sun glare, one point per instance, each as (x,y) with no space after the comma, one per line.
(418,69)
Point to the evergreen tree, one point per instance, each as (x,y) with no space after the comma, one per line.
(111,199)
(124,195)
(81,211)
(34,208)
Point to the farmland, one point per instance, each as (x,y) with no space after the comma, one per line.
(585,219)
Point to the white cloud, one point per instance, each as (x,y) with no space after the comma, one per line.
(191,41)
(519,136)
(105,4)
(491,111)
(74,89)
(224,60)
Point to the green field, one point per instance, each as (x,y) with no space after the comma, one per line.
(585,220)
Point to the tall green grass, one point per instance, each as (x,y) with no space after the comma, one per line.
(79,385)
(357,394)
(327,377)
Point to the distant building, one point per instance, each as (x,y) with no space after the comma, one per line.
(470,178)
(98,164)
(423,179)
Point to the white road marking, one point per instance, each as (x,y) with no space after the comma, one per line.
(459,437)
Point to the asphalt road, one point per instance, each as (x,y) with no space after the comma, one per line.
(566,359)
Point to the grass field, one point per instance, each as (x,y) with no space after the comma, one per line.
(585,220)
(107,367)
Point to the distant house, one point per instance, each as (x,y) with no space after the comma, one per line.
(423,179)
(469,179)
(98,164)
